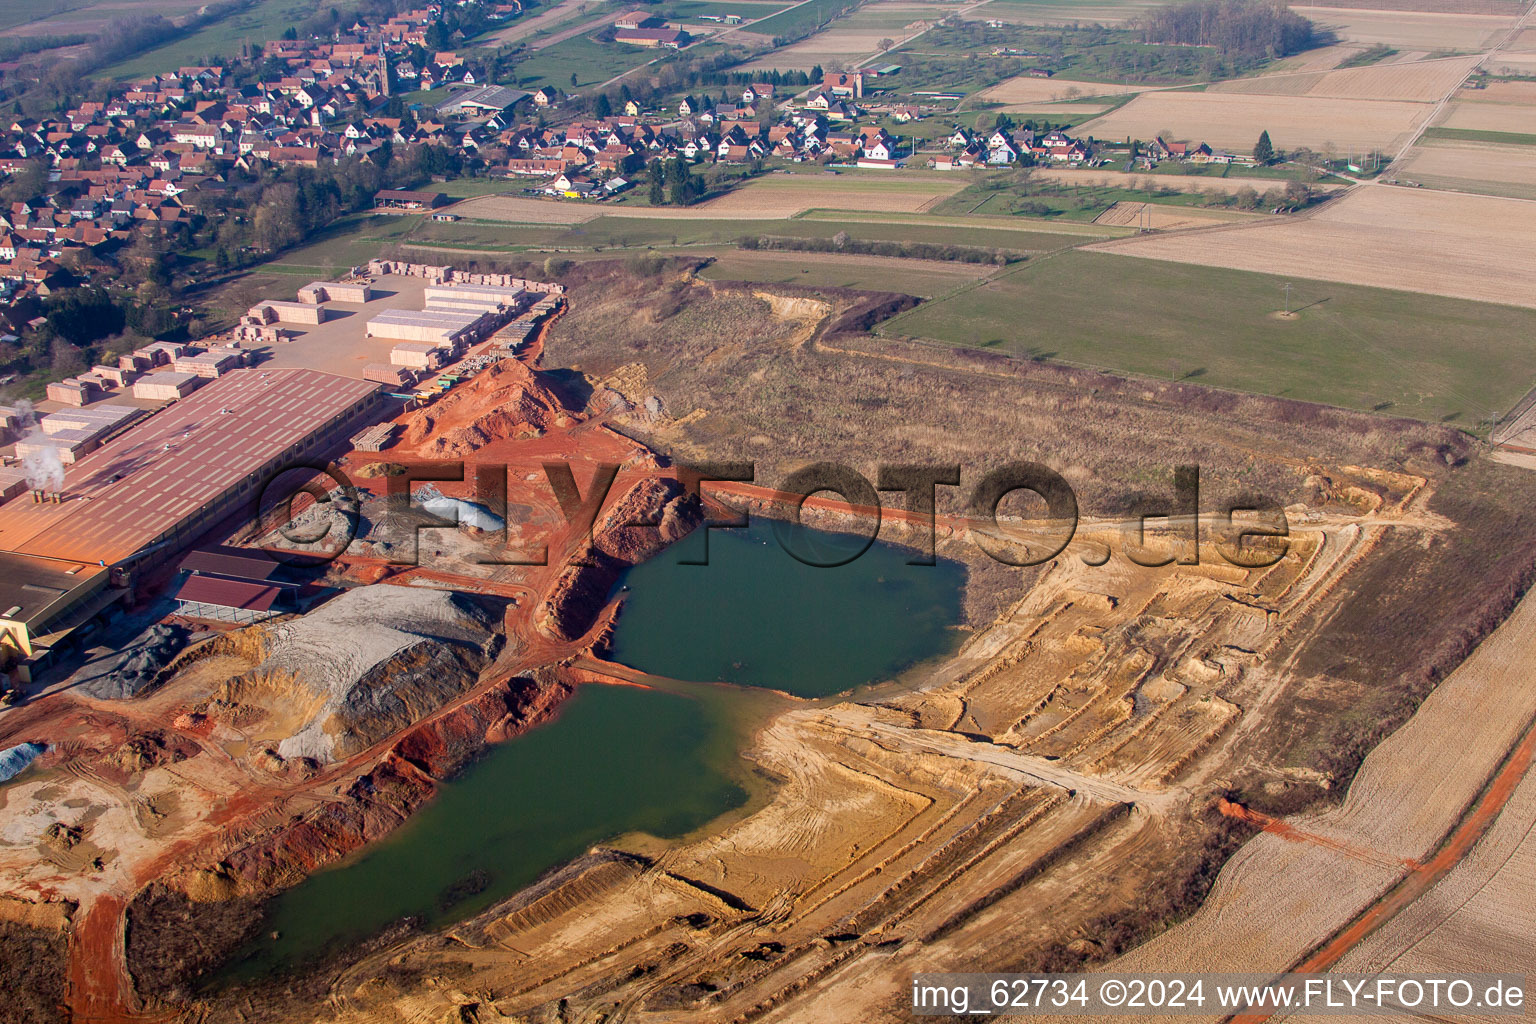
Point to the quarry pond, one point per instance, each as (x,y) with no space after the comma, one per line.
(617,760)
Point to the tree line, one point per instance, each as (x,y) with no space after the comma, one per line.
(1248,28)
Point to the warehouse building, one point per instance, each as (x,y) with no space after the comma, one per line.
(154,489)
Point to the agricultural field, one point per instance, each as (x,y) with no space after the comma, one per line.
(1028,89)
(590,61)
(772,196)
(1155,216)
(1363,348)
(1238,179)
(621,229)
(802,17)
(265,20)
(1062,12)
(923,278)
(67,17)
(1483,168)
(1464,924)
(856,35)
(1497,108)
(1439,243)
(1232,120)
(1409,30)
(1423,81)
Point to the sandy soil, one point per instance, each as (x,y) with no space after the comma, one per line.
(1418,30)
(1231,121)
(1280,897)
(1441,243)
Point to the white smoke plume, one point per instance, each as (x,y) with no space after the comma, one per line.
(26,417)
(45,470)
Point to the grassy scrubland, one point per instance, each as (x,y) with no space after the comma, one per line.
(1415,355)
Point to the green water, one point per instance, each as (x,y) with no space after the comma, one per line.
(757,616)
(617,759)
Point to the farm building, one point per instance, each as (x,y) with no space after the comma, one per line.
(167,385)
(671,38)
(406,200)
(484,99)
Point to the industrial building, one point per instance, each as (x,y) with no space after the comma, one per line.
(153,489)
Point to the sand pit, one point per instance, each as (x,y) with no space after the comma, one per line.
(1417,30)
(1440,243)
(1232,121)
(1425,81)
(1277,898)
(1025,89)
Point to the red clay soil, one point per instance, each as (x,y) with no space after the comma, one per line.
(1422,877)
(504,401)
(406,765)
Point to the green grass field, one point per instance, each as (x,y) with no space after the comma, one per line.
(618,231)
(805,17)
(591,62)
(1474,135)
(689,10)
(259,24)
(1401,353)
(914,277)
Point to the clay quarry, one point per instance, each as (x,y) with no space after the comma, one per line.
(323,701)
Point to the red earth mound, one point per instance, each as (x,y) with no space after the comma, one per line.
(505,401)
